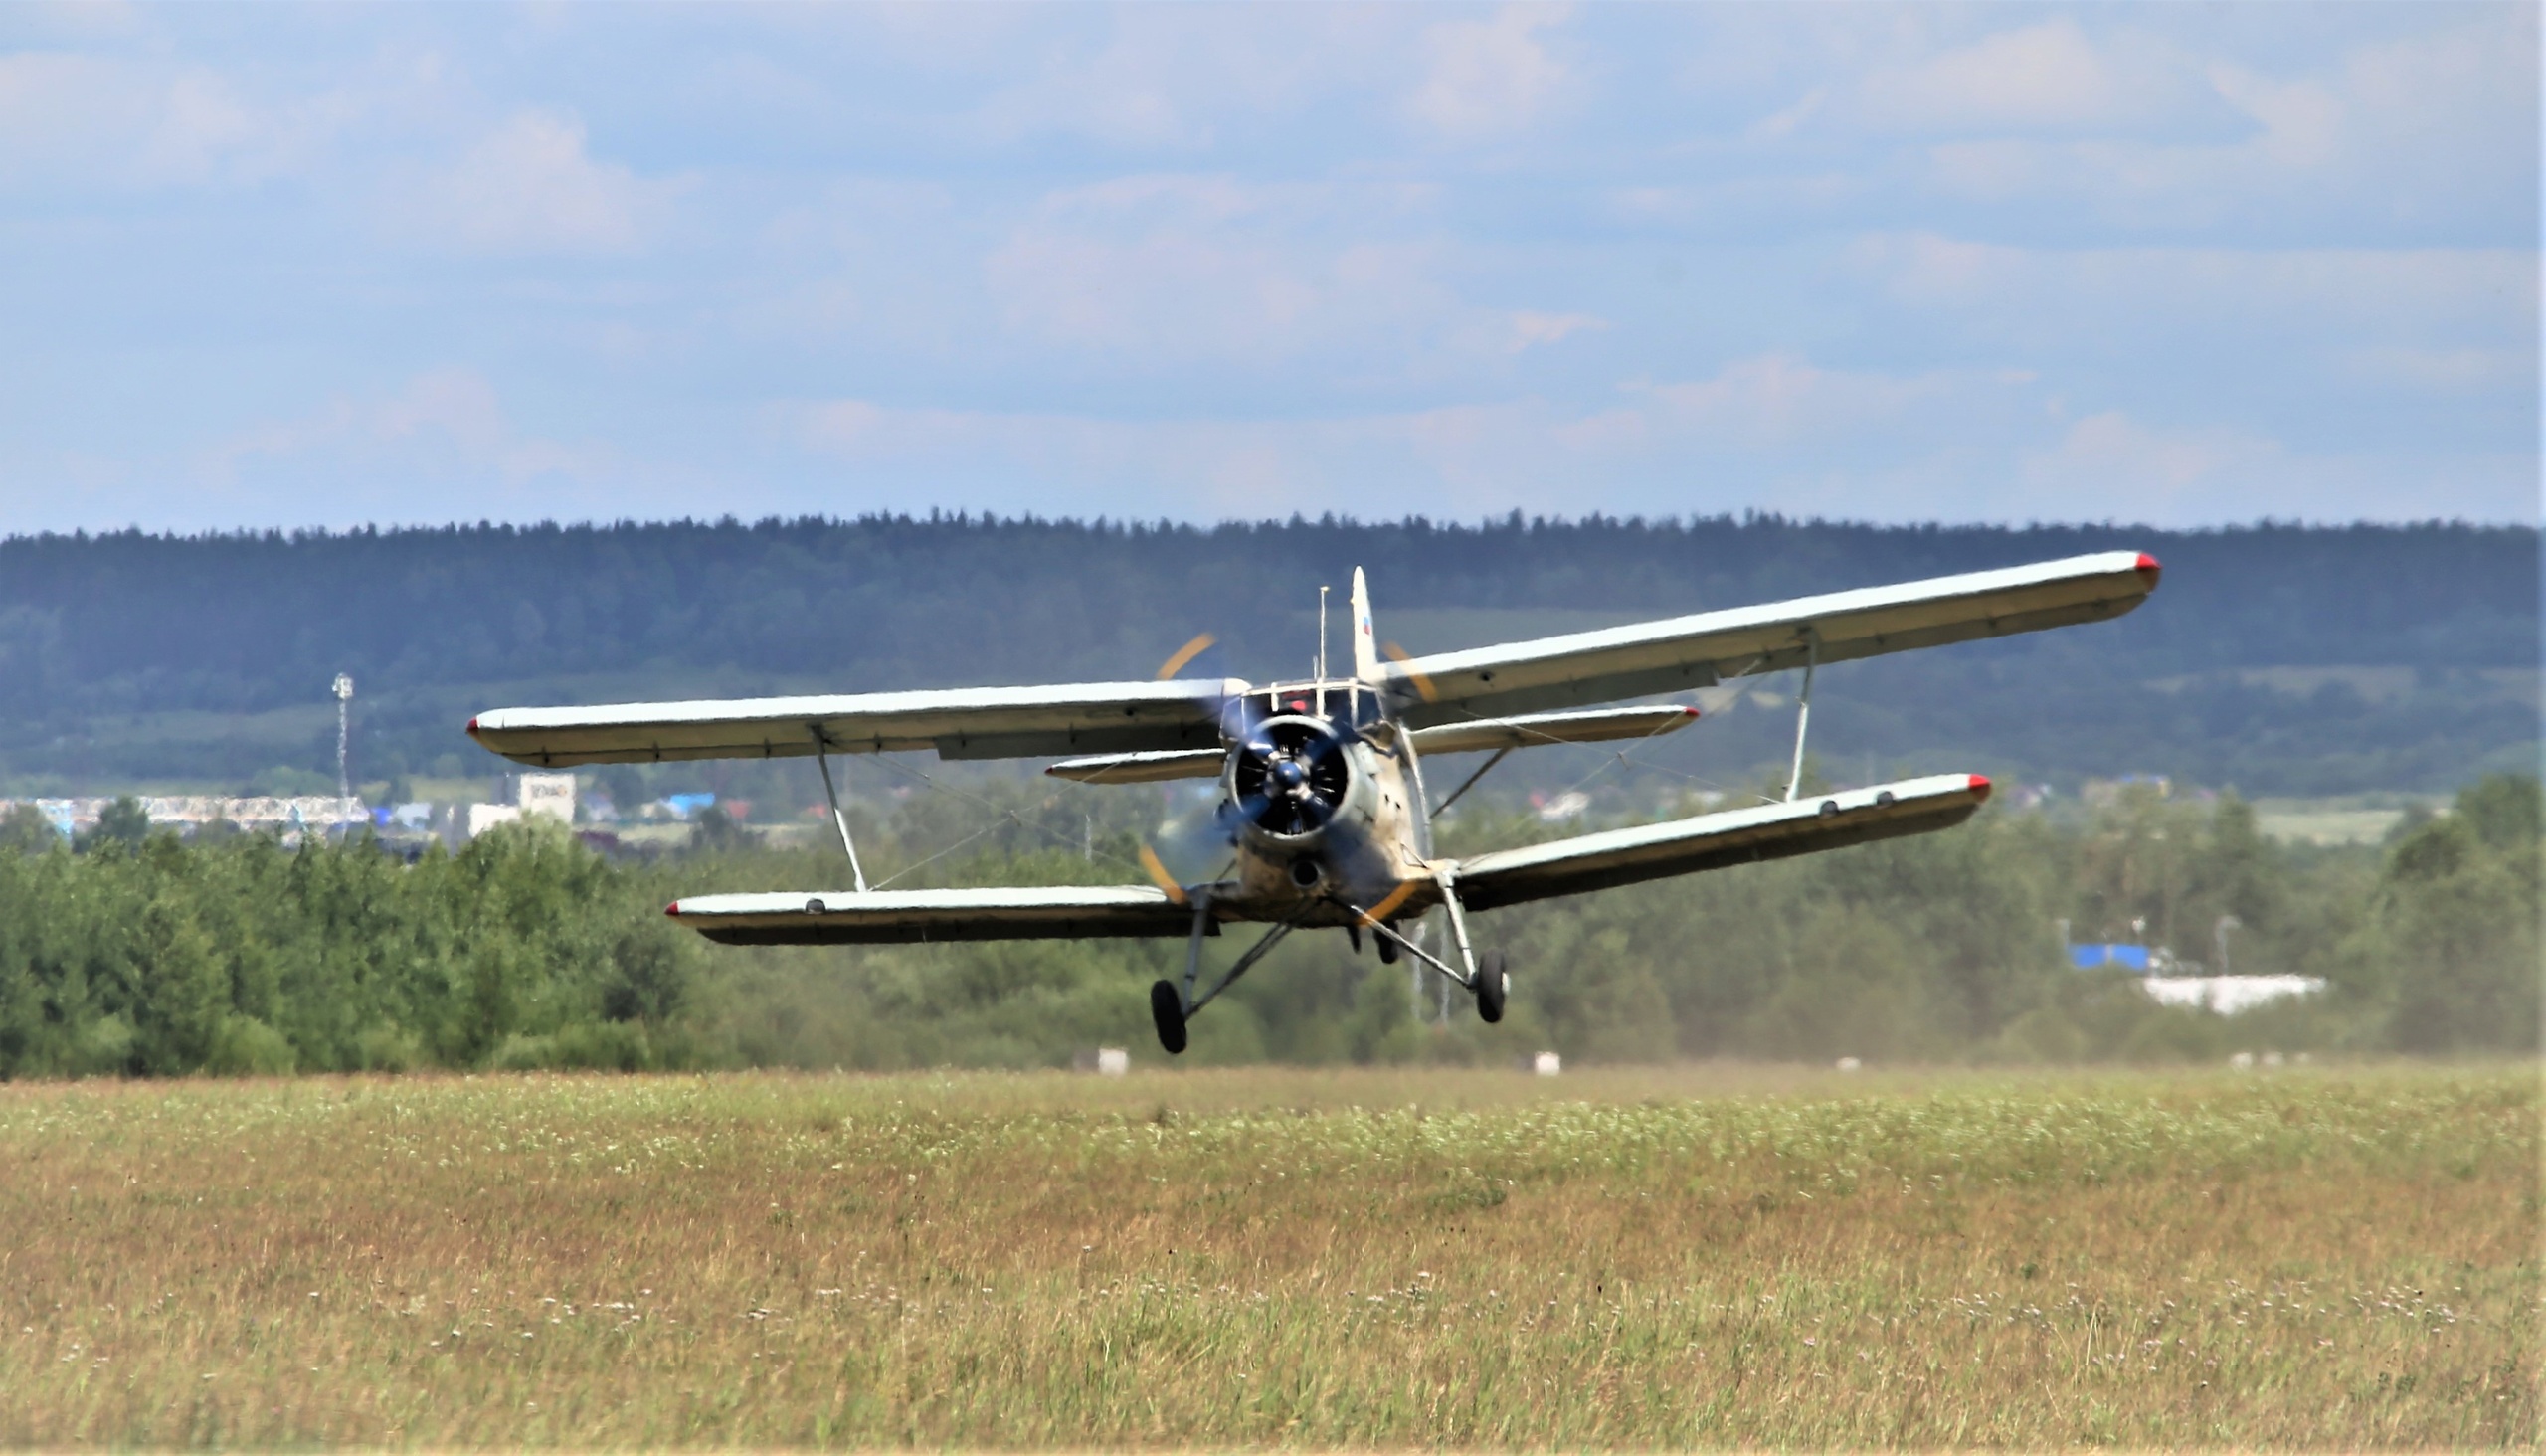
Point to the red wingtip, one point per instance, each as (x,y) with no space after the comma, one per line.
(1980,787)
(672,909)
(473,727)
(2148,568)
(1690,711)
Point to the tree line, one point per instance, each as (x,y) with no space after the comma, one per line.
(134,953)
(139,656)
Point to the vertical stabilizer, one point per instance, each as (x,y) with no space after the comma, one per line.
(1365,646)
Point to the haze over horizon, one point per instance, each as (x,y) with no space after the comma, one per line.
(286,267)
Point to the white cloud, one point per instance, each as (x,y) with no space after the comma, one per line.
(2146,472)
(2046,75)
(2447,370)
(1530,329)
(529,185)
(1181,269)
(1490,76)
(1786,122)
(2290,301)
(1773,431)
(91,121)
(2282,240)
(1175,77)
(1663,448)
(2416,130)
(450,422)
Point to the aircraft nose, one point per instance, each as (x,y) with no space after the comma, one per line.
(1289,774)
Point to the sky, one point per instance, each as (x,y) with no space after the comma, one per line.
(2176,264)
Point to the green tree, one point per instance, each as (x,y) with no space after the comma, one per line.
(124,821)
(25,830)
(2457,924)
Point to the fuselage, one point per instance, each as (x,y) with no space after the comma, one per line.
(1320,802)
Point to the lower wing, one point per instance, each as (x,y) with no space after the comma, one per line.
(902,917)
(1716,841)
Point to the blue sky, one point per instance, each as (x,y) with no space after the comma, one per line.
(2179,264)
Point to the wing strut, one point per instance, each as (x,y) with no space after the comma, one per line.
(1443,807)
(839,820)
(1803,710)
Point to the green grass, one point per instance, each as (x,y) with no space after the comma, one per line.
(1699,1257)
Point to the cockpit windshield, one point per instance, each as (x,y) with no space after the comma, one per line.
(1345,703)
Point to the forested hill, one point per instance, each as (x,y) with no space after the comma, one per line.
(2278,658)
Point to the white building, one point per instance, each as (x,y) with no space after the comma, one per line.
(552,795)
(2228,994)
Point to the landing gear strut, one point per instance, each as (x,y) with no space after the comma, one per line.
(1486,975)
(1171,1005)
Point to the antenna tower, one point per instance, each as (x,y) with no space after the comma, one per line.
(344,706)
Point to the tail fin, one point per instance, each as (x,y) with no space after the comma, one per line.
(1365,647)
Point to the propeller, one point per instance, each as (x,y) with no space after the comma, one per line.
(1183,657)
(1423,687)
(1159,876)
(1179,661)
(1291,777)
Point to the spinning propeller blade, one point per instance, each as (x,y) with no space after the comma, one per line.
(1157,875)
(1422,686)
(1382,910)
(1184,655)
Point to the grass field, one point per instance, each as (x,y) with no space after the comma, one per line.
(1704,1257)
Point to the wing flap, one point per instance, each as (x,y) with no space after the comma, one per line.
(1699,651)
(1596,725)
(906,917)
(981,722)
(1717,840)
(1141,768)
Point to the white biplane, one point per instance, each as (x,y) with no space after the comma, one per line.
(1322,795)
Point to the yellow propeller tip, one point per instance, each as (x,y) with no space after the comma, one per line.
(1159,876)
(1186,655)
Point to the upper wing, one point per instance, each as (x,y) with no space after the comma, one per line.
(967,722)
(900,917)
(1696,652)
(1714,841)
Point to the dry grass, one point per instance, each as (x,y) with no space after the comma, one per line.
(2318,1258)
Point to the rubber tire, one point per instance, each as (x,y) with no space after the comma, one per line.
(1387,948)
(1493,985)
(1166,1007)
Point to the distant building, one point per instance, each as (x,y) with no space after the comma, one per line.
(484,817)
(2097,956)
(551,795)
(2105,793)
(195,811)
(1565,805)
(2228,994)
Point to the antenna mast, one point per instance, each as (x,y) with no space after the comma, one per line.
(344,704)
(1321,634)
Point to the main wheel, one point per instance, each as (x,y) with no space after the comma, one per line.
(1166,1007)
(1493,984)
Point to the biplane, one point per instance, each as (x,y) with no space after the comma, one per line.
(1324,794)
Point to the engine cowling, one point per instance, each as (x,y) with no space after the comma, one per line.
(1289,779)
